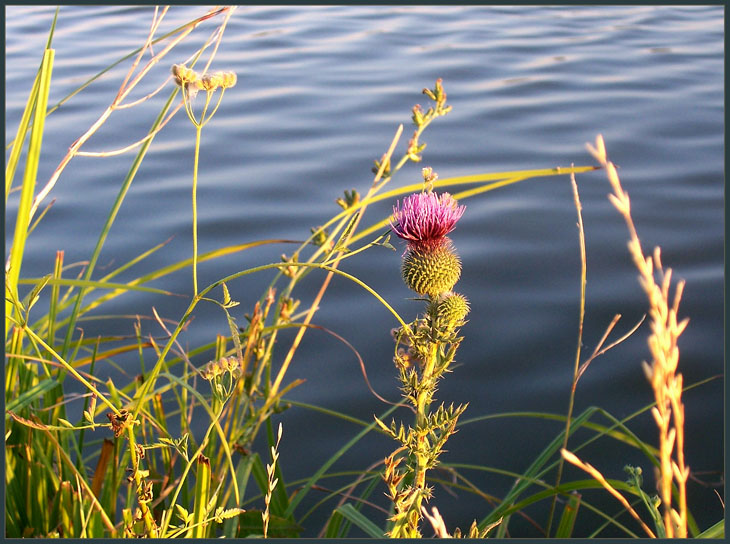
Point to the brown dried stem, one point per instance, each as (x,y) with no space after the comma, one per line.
(123,92)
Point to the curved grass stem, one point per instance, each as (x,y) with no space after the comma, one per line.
(198,130)
(576,366)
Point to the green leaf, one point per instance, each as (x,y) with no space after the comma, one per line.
(333,525)
(341,244)
(29,396)
(31,298)
(243,471)
(567,520)
(716,531)
(183,514)
(29,177)
(358,518)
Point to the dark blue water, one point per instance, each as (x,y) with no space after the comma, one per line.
(320,93)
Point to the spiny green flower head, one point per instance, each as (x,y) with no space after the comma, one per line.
(431,268)
(425,218)
(452,309)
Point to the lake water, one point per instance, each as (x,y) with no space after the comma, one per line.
(320,93)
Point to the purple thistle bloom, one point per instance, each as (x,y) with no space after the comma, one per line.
(425,217)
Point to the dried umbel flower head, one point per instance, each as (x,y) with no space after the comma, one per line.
(228,79)
(216,368)
(425,217)
(210,82)
(184,75)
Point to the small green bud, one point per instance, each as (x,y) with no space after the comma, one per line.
(320,236)
(431,269)
(288,306)
(386,169)
(429,93)
(452,310)
(290,271)
(414,148)
(417,115)
(351,198)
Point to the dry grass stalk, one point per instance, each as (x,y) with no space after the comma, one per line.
(590,469)
(437,522)
(272,481)
(667,384)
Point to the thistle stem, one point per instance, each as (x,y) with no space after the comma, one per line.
(423,402)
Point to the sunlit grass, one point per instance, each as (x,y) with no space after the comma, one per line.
(171,452)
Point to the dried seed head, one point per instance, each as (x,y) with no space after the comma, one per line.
(229,79)
(184,75)
(209,82)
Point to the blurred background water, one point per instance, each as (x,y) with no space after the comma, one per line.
(320,93)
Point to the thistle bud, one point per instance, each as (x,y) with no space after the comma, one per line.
(452,310)
(431,269)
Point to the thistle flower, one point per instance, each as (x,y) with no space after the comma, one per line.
(430,264)
(425,218)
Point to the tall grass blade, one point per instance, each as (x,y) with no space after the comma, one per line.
(358,518)
(30,395)
(716,531)
(110,220)
(243,471)
(17,145)
(567,520)
(29,178)
(202,495)
(333,525)
(54,302)
(106,455)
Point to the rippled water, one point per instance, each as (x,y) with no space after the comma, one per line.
(321,91)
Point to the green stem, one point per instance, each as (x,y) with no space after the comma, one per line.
(203,120)
(198,130)
(576,364)
(422,410)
